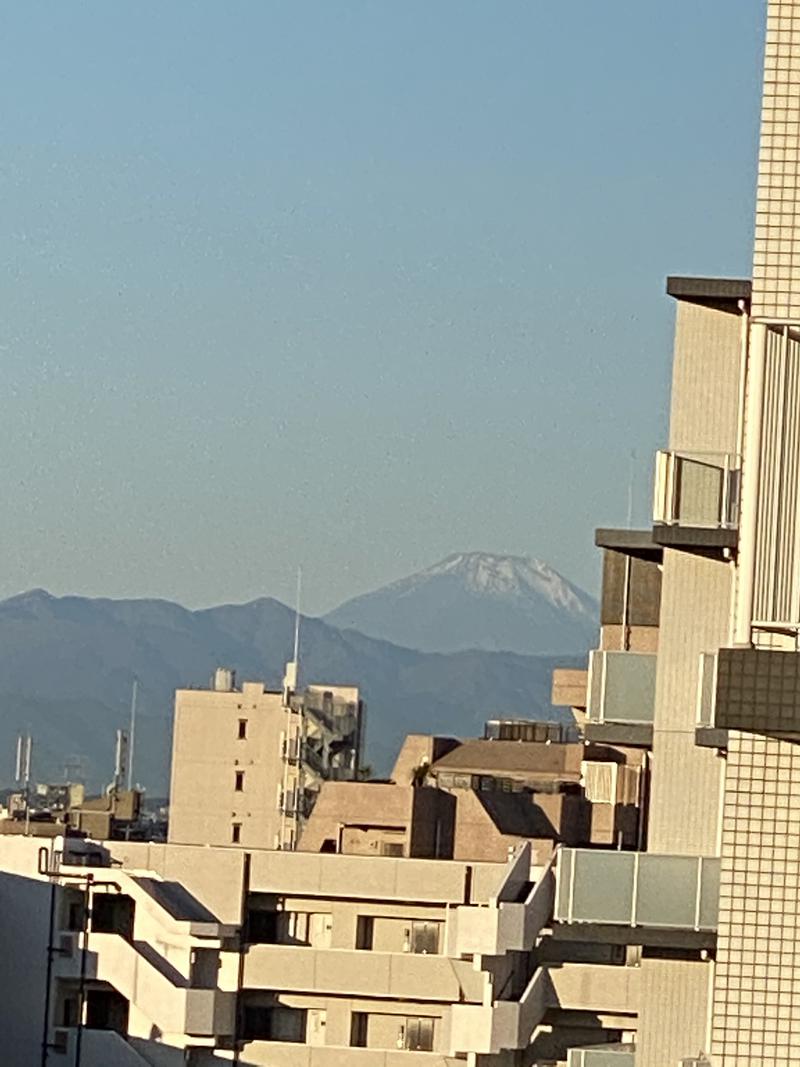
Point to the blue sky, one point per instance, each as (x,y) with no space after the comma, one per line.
(351,285)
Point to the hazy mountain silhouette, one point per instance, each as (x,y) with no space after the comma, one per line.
(67,666)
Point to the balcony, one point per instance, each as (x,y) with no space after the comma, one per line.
(394,975)
(696,500)
(290,1054)
(621,697)
(99,1048)
(752,689)
(506,925)
(506,1024)
(603,1056)
(656,898)
(569,688)
(580,987)
(155,988)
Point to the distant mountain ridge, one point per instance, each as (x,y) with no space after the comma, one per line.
(477,600)
(67,666)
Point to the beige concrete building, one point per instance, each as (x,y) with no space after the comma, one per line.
(167,954)
(478,799)
(248,763)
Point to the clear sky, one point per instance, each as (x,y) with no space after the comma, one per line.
(351,285)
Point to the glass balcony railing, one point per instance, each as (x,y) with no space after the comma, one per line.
(699,490)
(621,687)
(707,691)
(633,889)
(602,1056)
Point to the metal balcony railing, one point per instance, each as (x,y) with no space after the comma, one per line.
(697,489)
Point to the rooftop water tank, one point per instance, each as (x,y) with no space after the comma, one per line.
(224,680)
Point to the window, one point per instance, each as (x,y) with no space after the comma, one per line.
(365,929)
(392,848)
(358,1029)
(69,1012)
(239,786)
(112,913)
(242,729)
(419,1035)
(236,833)
(262,927)
(76,915)
(425,938)
(274,1024)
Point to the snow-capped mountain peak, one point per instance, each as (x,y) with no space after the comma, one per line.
(477,600)
(495,575)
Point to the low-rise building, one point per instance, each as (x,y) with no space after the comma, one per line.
(248,762)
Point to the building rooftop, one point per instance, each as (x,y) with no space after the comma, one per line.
(556,761)
(712,290)
(630,542)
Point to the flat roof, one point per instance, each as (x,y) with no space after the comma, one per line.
(631,542)
(711,289)
(561,762)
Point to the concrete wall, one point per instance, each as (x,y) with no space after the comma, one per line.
(24,910)
(368,974)
(705,379)
(674,1020)
(686,780)
(360,818)
(215,877)
(207,753)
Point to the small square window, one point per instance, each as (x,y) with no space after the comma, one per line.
(242,729)
(236,833)
(239,786)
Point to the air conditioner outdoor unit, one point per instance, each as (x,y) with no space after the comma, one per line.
(67,945)
(60,1041)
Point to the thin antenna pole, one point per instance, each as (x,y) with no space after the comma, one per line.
(297,615)
(631,475)
(26,770)
(132,733)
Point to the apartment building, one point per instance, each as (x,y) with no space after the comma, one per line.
(141,953)
(374,944)
(725,788)
(247,763)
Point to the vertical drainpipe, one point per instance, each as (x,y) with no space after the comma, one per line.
(49,974)
(238,1017)
(753,407)
(626,594)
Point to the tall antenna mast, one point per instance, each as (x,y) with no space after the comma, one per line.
(290,677)
(132,733)
(296,654)
(23,773)
(631,478)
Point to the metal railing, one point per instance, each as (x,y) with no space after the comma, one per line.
(697,489)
